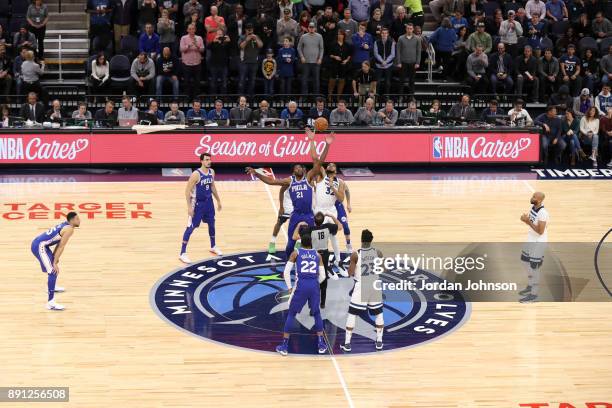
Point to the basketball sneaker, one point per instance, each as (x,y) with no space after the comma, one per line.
(333,275)
(282,349)
(349,248)
(59,289)
(184,258)
(51,305)
(529,298)
(322,346)
(271,248)
(346,347)
(378,345)
(343,272)
(215,250)
(525,291)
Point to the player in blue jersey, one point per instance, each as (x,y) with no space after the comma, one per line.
(300,186)
(200,206)
(57,237)
(309,274)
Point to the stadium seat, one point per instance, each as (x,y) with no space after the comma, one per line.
(558,28)
(119,68)
(489,8)
(604,45)
(129,47)
(585,43)
(16,23)
(545,43)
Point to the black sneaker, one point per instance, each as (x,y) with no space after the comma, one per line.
(378,345)
(346,347)
(528,299)
(525,291)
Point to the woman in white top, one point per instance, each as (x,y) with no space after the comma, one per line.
(100,73)
(589,131)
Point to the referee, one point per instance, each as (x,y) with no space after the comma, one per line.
(320,235)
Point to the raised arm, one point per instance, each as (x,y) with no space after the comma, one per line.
(267,179)
(296,232)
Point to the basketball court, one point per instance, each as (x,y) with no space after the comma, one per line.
(113,350)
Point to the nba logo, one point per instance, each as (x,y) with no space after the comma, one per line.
(437,147)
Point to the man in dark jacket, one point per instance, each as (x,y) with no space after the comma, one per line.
(526,67)
(319,110)
(562,100)
(32,110)
(122,18)
(264,112)
(500,70)
(550,133)
(167,71)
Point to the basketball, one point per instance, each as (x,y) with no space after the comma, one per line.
(321,124)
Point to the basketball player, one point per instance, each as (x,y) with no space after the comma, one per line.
(320,234)
(300,186)
(284,213)
(533,251)
(364,295)
(309,274)
(199,194)
(57,236)
(343,217)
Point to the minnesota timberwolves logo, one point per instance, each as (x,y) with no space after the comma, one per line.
(241,300)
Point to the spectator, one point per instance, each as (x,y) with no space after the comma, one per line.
(264,112)
(328,27)
(5,112)
(415,8)
(174,115)
(588,69)
(493,24)
(24,39)
(127,111)
(476,65)
(548,72)
(387,116)
(154,110)
(570,70)
(213,23)
(100,73)
(605,130)
(348,26)
(292,111)
(167,31)
(269,72)
(304,21)
(435,111)
(570,129)
(218,63)
(551,133)
(490,111)
(601,27)
(443,40)
(192,47)
(364,82)
(310,49)
(536,29)
(107,116)
(408,58)
(199,24)
(366,115)
(460,54)
(360,10)
(147,13)
(318,111)
(269,7)
(219,114)
(340,56)
(170,6)
(411,115)
(521,18)
(143,74)
(562,100)
(167,71)
(535,7)
(241,112)
(384,55)
(266,30)
(6,67)
(519,116)
(190,7)
(473,10)
(81,112)
(31,73)
(37,17)
(581,28)
(606,67)
(149,42)
(235,27)
(451,7)
(341,115)
(375,24)
(285,5)
(386,11)
(32,110)
(5,38)
(480,37)
(589,132)
(509,32)
(362,45)
(501,70)
(462,110)
(250,44)
(122,18)
(99,17)
(285,59)
(398,27)
(603,101)
(582,103)
(286,27)
(556,10)
(457,21)
(527,74)
(224,10)
(196,111)
(56,113)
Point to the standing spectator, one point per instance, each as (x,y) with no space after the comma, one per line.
(99,17)
(509,33)
(286,27)
(147,13)
(443,40)
(341,115)
(250,44)
(24,39)
(224,9)
(318,111)
(398,27)
(548,72)
(451,7)
(589,132)
(122,18)
(606,67)
(213,23)
(266,31)
(582,103)
(340,67)
(480,37)
(17,64)
(241,112)
(285,5)
(408,58)
(100,73)
(199,24)
(364,82)
(219,114)
(476,65)
(174,115)
(268,70)
(360,10)
(328,27)
(384,55)
(196,111)
(570,70)
(603,101)
(535,7)
(601,27)
(310,49)
(30,75)
(375,24)
(417,16)
(149,42)
(526,67)
(171,6)
(192,48)
(365,115)
(167,71)
(411,115)
(218,63)
(388,114)
(362,45)
(235,27)
(458,21)
(304,21)
(460,54)
(462,110)
(386,11)
(37,17)
(6,67)
(143,74)
(556,10)
(349,26)
(501,70)
(190,7)
(285,60)
(550,135)
(167,31)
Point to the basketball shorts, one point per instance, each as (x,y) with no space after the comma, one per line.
(203,212)
(533,252)
(365,296)
(296,218)
(306,291)
(44,256)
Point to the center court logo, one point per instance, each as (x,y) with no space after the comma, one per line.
(241,300)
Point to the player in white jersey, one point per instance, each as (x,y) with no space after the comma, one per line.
(284,213)
(533,251)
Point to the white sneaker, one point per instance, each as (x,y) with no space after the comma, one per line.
(59,289)
(349,248)
(184,258)
(610,164)
(215,250)
(343,272)
(333,276)
(51,305)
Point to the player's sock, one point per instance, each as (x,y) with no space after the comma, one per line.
(51,278)
(273,240)
(379,330)
(347,336)
(211,233)
(186,235)
(534,281)
(285,341)
(350,322)
(334,242)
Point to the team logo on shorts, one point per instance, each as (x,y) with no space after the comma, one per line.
(241,300)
